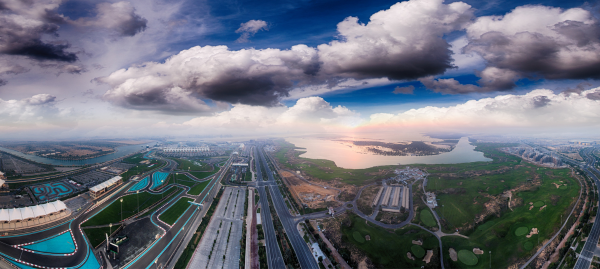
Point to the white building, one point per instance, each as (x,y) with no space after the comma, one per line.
(23,217)
(186,149)
(105,186)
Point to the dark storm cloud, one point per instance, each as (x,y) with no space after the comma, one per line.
(119,17)
(594,95)
(404,90)
(38,50)
(536,42)
(449,86)
(540,101)
(133,25)
(2,82)
(263,91)
(578,88)
(22,25)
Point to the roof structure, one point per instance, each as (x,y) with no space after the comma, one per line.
(105,184)
(34,211)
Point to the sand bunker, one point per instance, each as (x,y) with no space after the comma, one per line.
(533,231)
(453,254)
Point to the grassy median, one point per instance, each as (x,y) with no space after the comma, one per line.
(112,213)
(196,190)
(176,210)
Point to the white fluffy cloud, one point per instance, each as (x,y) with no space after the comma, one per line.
(30,112)
(249,76)
(311,114)
(538,108)
(249,28)
(530,42)
(403,42)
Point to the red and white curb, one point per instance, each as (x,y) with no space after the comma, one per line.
(158,218)
(19,246)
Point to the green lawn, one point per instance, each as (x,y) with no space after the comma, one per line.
(176,210)
(154,208)
(467,257)
(112,213)
(183,179)
(248,175)
(387,248)
(190,165)
(97,235)
(504,235)
(134,159)
(418,251)
(201,175)
(196,190)
(140,169)
(427,218)
(358,237)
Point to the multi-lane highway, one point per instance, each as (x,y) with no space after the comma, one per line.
(274,257)
(303,253)
(587,253)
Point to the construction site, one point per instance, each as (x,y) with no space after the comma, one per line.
(311,195)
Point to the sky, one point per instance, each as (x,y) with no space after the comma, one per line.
(125,69)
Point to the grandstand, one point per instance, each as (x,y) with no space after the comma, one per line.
(105,187)
(24,217)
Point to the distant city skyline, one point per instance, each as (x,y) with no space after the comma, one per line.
(88,69)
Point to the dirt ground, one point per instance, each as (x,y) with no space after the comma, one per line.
(575,156)
(304,193)
(365,201)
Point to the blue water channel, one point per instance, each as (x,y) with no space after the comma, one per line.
(120,152)
(61,244)
(157,178)
(140,185)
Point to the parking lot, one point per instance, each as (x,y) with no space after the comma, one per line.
(220,245)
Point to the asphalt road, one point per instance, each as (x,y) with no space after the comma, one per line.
(304,254)
(587,253)
(274,257)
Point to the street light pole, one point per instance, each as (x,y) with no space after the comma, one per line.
(490,259)
(121,209)
(137,195)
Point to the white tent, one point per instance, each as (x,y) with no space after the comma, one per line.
(59,205)
(26,213)
(48,208)
(14,214)
(4,215)
(38,211)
